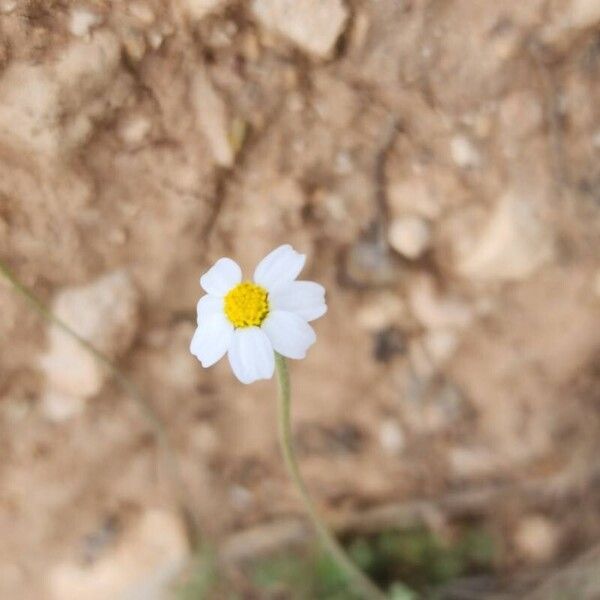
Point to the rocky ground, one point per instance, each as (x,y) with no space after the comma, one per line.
(438,161)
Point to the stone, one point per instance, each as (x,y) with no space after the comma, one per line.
(381,311)
(537,538)
(7,6)
(82,20)
(313,25)
(568,19)
(134,130)
(49,107)
(440,345)
(211,116)
(413,196)
(434,310)
(410,236)
(513,244)
(198,9)
(142,12)
(521,114)
(105,313)
(134,44)
(585,13)
(147,559)
(60,407)
(391,436)
(464,153)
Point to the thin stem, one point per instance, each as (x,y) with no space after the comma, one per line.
(128,387)
(357,578)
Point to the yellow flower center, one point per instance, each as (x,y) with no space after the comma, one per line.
(247,305)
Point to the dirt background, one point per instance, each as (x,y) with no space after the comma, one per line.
(438,161)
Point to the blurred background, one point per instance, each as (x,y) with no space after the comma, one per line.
(438,162)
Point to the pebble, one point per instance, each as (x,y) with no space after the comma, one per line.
(134,129)
(413,195)
(512,245)
(48,107)
(314,25)
(104,312)
(60,407)
(537,538)
(585,13)
(521,114)
(82,21)
(146,560)
(391,436)
(7,6)
(464,153)
(410,236)
(370,263)
(440,345)
(142,12)
(198,9)
(435,311)
(134,44)
(381,311)
(211,116)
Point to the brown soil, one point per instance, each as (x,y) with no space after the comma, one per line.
(465,366)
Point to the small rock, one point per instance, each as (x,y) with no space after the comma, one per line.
(391,436)
(61,407)
(105,313)
(434,311)
(464,153)
(49,107)
(473,462)
(204,439)
(413,196)
(512,246)
(156,37)
(198,9)
(7,6)
(82,20)
(314,25)
(440,345)
(521,114)
(146,561)
(211,115)
(410,236)
(568,20)
(381,311)
(142,12)
(134,129)
(585,13)
(134,43)
(241,497)
(537,538)
(370,263)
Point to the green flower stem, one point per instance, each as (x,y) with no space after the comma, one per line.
(359,581)
(129,388)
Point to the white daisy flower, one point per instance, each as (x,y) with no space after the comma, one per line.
(249,320)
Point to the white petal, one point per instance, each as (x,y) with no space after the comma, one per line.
(209,305)
(212,339)
(251,355)
(305,298)
(221,277)
(290,334)
(279,267)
